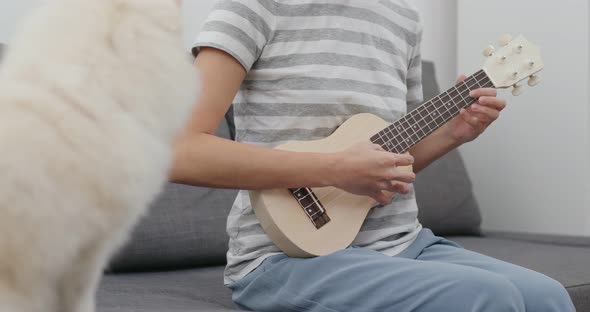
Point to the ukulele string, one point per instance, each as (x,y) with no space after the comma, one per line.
(331,192)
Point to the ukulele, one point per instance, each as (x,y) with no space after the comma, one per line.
(309,222)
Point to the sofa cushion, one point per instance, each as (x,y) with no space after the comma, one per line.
(180,291)
(443,190)
(568,264)
(202,289)
(185,227)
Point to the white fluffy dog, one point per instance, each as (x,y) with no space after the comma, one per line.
(92,95)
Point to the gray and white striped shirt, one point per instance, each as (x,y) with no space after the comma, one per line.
(312,64)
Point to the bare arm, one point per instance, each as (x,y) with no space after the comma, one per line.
(206,160)
(432,148)
(203,159)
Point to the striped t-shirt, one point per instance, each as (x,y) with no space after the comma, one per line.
(312,64)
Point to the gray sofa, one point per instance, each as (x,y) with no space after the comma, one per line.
(175,259)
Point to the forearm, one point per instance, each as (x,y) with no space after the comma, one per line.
(209,161)
(433,147)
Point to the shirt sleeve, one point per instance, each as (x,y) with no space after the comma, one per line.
(415,95)
(241,28)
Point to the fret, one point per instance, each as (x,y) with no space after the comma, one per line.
(423,126)
(446,101)
(424,114)
(489,84)
(396,135)
(471,85)
(416,124)
(402,128)
(467,99)
(447,114)
(406,126)
(399,144)
(383,140)
(438,119)
(461,96)
(378,139)
(394,131)
(425,119)
(479,85)
(390,138)
(387,133)
(402,145)
(412,135)
(453,93)
(457,99)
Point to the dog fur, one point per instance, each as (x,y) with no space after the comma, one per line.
(92,95)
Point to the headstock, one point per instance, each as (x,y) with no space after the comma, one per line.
(515,60)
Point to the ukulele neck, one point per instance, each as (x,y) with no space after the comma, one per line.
(409,130)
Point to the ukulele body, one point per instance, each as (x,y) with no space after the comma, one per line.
(299,232)
(283,218)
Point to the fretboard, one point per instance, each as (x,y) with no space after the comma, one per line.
(427,118)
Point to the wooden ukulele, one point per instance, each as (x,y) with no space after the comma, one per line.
(308,222)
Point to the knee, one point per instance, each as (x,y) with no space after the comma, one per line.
(490,293)
(544,294)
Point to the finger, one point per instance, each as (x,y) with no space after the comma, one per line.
(396,160)
(471,119)
(461,78)
(402,160)
(399,175)
(377,147)
(382,198)
(477,93)
(397,187)
(493,102)
(485,113)
(484,117)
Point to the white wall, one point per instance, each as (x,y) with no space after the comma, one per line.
(11,12)
(195,13)
(439,19)
(531,171)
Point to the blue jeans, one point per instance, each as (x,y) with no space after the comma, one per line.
(433,274)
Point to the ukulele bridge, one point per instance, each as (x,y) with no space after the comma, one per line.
(311,205)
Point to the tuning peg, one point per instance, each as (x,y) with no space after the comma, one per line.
(505,40)
(518,90)
(489,51)
(534,80)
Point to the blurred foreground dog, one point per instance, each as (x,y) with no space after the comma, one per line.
(92,94)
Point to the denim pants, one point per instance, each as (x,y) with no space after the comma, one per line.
(432,275)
